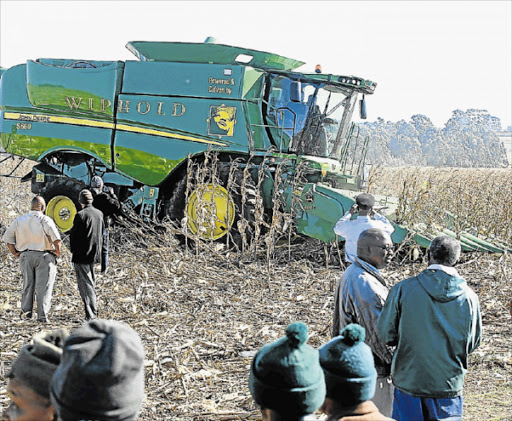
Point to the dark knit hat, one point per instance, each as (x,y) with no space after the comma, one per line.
(348,366)
(286,375)
(101,375)
(37,361)
(365,200)
(85,197)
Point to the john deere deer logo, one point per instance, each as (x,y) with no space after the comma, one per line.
(222,120)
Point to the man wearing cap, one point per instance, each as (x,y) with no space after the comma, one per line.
(30,376)
(350,377)
(35,239)
(86,238)
(286,379)
(101,375)
(434,320)
(106,201)
(359,298)
(350,229)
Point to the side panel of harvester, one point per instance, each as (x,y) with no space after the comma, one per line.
(47,108)
(167,111)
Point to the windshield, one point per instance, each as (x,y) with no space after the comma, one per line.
(309,118)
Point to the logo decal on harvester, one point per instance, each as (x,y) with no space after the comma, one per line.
(222,120)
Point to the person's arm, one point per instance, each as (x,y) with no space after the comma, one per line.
(13,250)
(56,244)
(389,318)
(74,233)
(341,227)
(369,304)
(476,325)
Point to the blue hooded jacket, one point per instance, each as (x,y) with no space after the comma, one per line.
(434,320)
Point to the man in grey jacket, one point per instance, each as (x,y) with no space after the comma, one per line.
(360,296)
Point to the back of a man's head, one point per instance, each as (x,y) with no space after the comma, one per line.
(101,374)
(365,201)
(37,203)
(444,250)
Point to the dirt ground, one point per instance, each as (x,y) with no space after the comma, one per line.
(198,311)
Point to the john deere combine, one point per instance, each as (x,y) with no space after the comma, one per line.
(135,123)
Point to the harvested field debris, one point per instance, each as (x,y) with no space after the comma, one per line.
(202,312)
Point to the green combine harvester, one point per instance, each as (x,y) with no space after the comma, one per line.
(137,123)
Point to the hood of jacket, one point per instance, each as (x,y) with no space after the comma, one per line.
(440,285)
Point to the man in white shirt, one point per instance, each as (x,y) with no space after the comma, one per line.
(35,239)
(367,218)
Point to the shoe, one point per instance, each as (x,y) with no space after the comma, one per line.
(44,320)
(27,315)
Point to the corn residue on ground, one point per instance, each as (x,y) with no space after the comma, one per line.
(200,311)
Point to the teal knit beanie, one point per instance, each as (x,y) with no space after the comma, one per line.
(286,375)
(348,366)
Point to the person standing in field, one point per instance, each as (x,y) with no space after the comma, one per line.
(35,239)
(434,320)
(367,218)
(359,298)
(106,201)
(86,239)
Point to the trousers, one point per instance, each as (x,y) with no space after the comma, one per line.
(383,398)
(86,286)
(39,269)
(407,407)
(104,250)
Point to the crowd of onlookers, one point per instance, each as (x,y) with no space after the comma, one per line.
(398,353)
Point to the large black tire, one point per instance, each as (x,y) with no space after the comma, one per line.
(244,204)
(61,197)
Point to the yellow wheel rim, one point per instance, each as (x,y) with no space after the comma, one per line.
(210,211)
(62,210)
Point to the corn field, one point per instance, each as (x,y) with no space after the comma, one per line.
(476,200)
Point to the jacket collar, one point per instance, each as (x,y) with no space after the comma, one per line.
(450,270)
(370,269)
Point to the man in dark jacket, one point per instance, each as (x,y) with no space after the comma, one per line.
(434,320)
(86,238)
(359,298)
(106,201)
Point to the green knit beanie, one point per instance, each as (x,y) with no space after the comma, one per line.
(348,366)
(286,375)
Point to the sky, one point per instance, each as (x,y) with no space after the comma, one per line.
(427,57)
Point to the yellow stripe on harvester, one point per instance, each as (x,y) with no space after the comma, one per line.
(41,118)
(135,129)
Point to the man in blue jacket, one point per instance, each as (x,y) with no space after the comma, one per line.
(434,321)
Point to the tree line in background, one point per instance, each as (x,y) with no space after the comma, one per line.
(468,139)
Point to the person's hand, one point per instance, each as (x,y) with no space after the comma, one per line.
(371,213)
(353,209)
